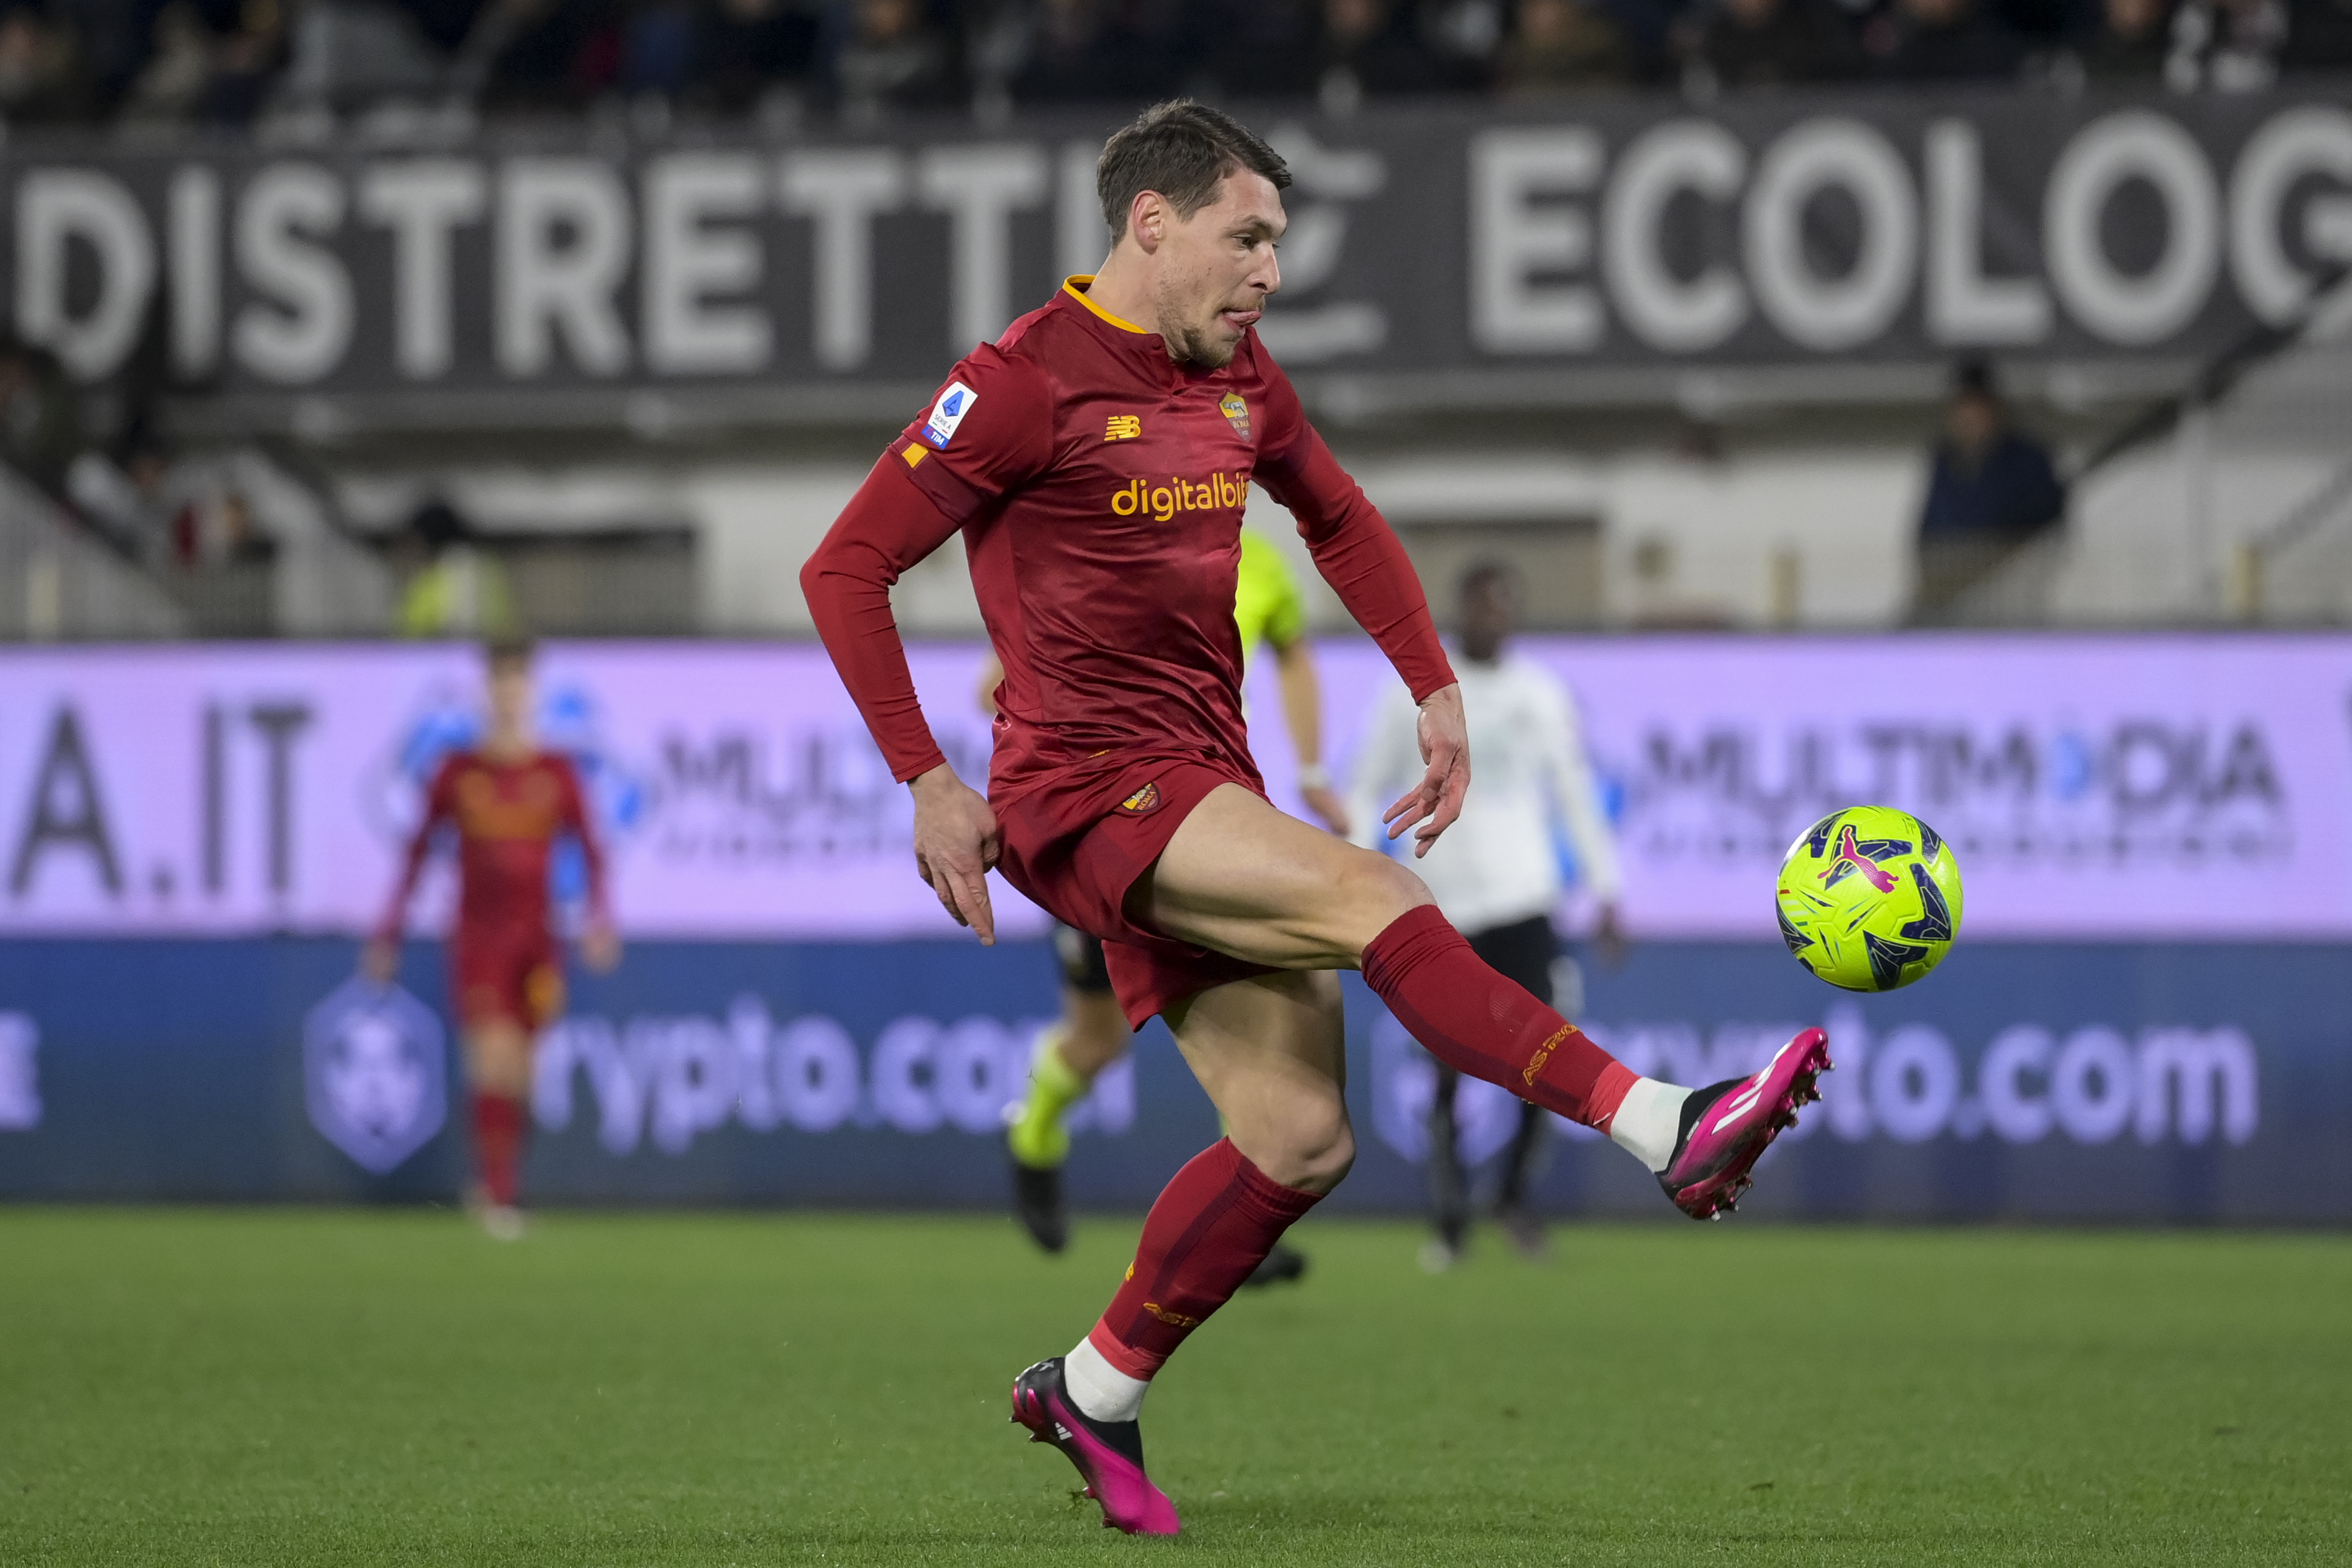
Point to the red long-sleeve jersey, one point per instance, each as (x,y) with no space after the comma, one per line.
(508,816)
(1099,487)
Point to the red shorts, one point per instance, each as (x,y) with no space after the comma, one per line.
(517,982)
(1076,842)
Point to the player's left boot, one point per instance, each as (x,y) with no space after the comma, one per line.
(1108,1454)
(1726,1126)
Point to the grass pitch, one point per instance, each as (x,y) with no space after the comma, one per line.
(322,1388)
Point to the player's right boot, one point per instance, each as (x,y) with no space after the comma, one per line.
(1108,1454)
(1726,1126)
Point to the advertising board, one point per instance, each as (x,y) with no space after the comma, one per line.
(2032,1081)
(2184,788)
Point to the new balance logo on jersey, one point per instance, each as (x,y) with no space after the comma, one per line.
(1123,427)
(1217,492)
(955,402)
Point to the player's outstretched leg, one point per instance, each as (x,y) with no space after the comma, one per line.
(1242,879)
(1268,1052)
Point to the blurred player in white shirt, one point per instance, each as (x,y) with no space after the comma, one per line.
(1496,872)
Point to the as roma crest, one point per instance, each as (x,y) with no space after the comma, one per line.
(1143,801)
(1236,413)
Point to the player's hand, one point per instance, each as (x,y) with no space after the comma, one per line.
(1325,802)
(600,947)
(956,842)
(380,960)
(1430,807)
(1609,942)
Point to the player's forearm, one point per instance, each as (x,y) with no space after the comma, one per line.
(887,527)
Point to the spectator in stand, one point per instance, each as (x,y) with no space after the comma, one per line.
(444,24)
(40,417)
(1764,43)
(895,57)
(1942,40)
(41,77)
(247,63)
(659,47)
(751,50)
(2226,45)
(1092,51)
(2319,36)
(176,81)
(1559,44)
(133,505)
(110,40)
(1368,50)
(2130,43)
(1264,49)
(1991,489)
(541,56)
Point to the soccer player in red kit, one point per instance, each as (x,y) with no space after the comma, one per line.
(1097,459)
(510,801)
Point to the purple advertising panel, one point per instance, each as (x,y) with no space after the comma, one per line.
(2189,788)
(2180,788)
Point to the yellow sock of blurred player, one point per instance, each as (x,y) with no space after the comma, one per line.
(1037,1138)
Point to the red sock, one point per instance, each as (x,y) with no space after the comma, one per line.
(1211,1225)
(1477,1022)
(498,1130)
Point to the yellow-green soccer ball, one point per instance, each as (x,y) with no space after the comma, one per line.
(1870,898)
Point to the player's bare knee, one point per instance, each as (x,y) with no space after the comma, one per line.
(1314,1146)
(1371,893)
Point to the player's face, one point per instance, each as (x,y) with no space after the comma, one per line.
(1487,613)
(1216,267)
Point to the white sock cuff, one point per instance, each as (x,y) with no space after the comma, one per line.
(1099,1389)
(1649,1121)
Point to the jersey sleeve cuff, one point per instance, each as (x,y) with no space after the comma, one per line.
(908,772)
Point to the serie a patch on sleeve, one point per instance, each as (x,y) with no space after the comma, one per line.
(955,400)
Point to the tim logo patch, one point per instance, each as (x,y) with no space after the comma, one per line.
(955,402)
(1143,802)
(1237,414)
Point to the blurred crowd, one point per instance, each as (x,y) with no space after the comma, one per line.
(228,62)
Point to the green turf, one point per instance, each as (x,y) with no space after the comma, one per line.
(320,1388)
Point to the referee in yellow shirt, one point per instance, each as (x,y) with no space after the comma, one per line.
(1093,1032)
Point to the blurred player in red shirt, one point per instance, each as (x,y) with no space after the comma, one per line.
(510,801)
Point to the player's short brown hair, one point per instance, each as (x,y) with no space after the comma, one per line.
(1182,150)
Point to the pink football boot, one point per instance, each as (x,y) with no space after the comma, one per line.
(1727,1126)
(1108,1454)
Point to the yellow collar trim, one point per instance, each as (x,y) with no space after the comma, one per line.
(1075,285)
